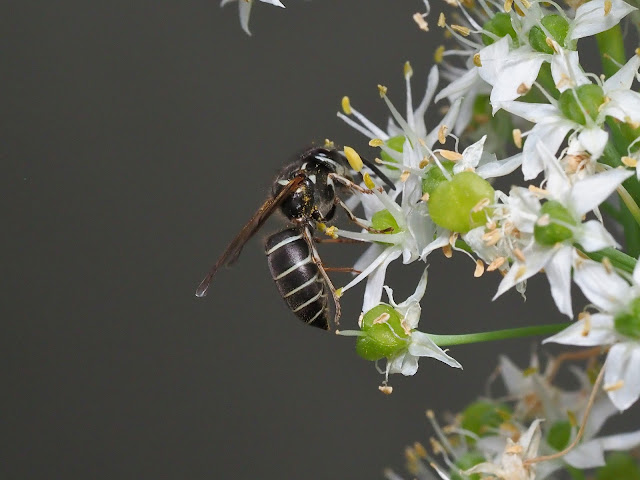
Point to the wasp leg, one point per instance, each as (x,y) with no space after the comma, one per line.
(349,184)
(355,219)
(342,269)
(316,259)
(336,240)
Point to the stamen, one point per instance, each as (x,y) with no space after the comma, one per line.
(328,144)
(420,21)
(517,137)
(405,176)
(447,251)
(464,31)
(368,182)
(519,255)
(420,450)
(587,325)
(450,155)
(507,5)
(608,266)
(408,71)
(346,105)
(522,89)
(544,220)
(442,21)
(332,232)
(481,205)
(442,134)
(573,421)
(423,163)
(376,142)
(479,269)
(538,191)
(607,7)
(425,197)
(382,90)
(382,318)
(614,386)
(353,158)
(386,389)
(497,263)
(476,60)
(438,55)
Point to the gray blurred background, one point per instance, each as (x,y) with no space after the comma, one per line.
(137,139)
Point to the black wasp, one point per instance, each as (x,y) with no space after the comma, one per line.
(308,192)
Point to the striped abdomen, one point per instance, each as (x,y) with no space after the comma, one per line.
(297,277)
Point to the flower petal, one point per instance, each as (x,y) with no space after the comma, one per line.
(597,329)
(591,18)
(590,192)
(422,346)
(593,236)
(558,272)
(621,374)
(566,70)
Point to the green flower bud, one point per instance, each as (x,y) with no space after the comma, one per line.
(434,176)
(590,97)
(500,25)
(558,27)
(619,466)
(559,435)
(452,204)
(465,462)
(628,323)
(483,417)
(383,336)
(553,232)
(394,143)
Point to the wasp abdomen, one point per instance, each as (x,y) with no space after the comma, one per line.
(297,277)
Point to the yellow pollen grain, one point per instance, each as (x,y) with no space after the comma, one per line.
(438,55)
(425,197)
(442,21)
(479,268)
(376,142)
(497,263)
(382,90)
(507,5)
(614,386)
(353,158)
(476,60)
(368,182)
(332,232)
(519,255)
(382,318)
(522,89)
(408,71)
(607,7)
(447,251)
(404,176)
(517,137)
(321,226)
(386,389)
(464,31)
(420,21)
(346,105)
(630,162)
(339,292)
(450,155)
(442,134)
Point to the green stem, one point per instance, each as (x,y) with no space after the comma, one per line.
(629,203)
(611,46)
(617,258)
(448,340)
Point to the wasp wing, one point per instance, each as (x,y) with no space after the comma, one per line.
(232,252)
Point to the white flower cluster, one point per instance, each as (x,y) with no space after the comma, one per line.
(443,198)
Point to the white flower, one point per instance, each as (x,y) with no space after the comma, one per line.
(510,464)
(556,260)
(614,297)
(597,16)
(244,10)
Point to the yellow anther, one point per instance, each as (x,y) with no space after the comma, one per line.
(518,10)
(586,325)
(464,31)
(339,292)
(376,142)
(321,226)
(408,71)
(420,450)
(519,255)
(526,4)
(521,272)
(608,266)
(368,182)
(329,144)
(447,251)
(476,60)
(517,137)
(479,269)
(629,161)
(450,155)
(404,176)
(442,21)
(420,21)
(541,192)
(346,105)
(442,134)
(552,45)
(638,51)
(523,88)
(353,158)
(438,55)
(383,318)
(424,162)
(382,90)
(614,386)
(527,372)
(497,263)
(507,5)
(425,197)
(607,7)
(386,389)
(573,421)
